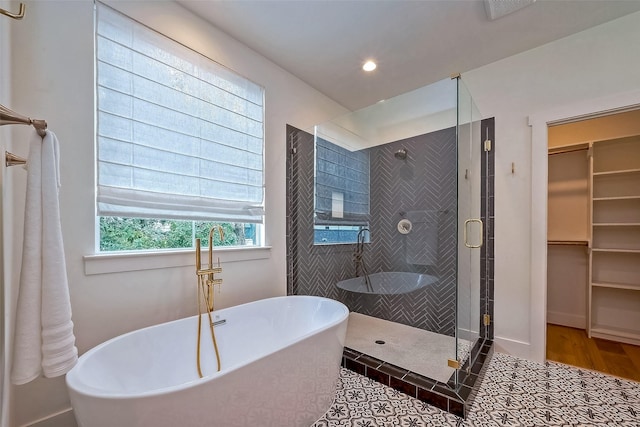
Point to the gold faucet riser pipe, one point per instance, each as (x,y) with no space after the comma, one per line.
(198,260)
(210,296)
(199,329)
(210,275)
(211,248)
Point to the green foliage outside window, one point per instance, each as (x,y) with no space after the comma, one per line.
(130,234)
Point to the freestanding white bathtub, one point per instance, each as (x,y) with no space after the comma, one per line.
(280,361)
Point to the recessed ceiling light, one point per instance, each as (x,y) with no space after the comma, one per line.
(369,66)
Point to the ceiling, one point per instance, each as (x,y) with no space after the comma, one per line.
(415,43)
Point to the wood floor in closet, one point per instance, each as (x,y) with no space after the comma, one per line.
(572,347)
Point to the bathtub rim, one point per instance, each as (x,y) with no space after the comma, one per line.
(92,392)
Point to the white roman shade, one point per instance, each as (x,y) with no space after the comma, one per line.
(179,136)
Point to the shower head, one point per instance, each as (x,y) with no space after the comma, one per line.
(401,154)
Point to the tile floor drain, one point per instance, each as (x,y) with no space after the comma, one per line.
(380,342)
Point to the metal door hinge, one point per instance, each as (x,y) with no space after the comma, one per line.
(455,364)
(486,319)
(292,150)
(487,145)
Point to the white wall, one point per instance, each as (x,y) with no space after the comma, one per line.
(53,80)
(5,75)
(593,64)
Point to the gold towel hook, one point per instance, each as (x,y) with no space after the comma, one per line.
(19,15)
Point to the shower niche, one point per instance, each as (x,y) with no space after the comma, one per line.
(390,211)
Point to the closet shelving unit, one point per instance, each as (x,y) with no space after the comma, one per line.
(614,260)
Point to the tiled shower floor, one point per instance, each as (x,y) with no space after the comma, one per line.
(403,345)
(514,392)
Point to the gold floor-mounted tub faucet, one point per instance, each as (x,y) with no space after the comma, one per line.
(206,282)
(209,273)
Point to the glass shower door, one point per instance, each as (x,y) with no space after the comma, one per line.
(470,225)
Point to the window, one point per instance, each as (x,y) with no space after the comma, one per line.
(131,234)
(341,193)
(180,140)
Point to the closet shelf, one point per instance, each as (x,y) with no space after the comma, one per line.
(612,285)
(568,242)
(616,172)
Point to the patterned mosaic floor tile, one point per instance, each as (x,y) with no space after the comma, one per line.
(514,392)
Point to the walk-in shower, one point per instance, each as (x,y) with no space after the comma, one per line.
(416,173)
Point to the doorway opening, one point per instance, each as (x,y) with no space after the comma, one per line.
(593,244)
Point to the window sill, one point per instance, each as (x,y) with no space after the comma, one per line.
(136,261)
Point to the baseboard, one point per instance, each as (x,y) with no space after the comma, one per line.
(513,347)
(567,319)
(63,418)
(467,334)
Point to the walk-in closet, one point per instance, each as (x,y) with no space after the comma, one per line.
(593,234)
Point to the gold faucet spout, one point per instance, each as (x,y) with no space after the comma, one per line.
(211,231)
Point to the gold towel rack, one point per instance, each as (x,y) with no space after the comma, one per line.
(9,117)
(18,15)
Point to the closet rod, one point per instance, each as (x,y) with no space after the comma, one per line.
(8,117)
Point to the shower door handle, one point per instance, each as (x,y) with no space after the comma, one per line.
(465,234)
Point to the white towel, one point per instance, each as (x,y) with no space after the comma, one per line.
(44,342)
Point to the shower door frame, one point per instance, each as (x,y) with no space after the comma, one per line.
(471,227)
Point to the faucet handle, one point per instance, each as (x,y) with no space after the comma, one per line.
(207,271)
